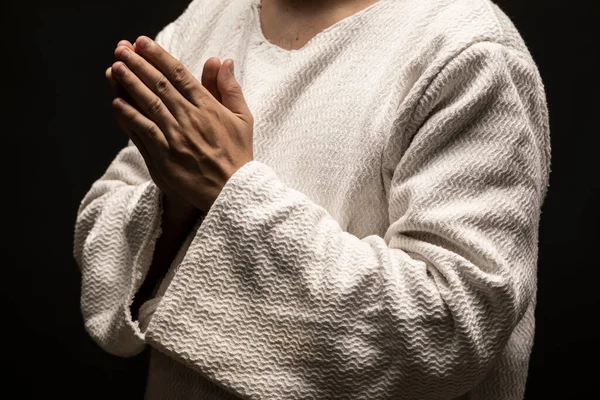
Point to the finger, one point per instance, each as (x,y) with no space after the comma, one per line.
(126,43)
(110,79)
(127,128)
(209,77)
(179,76)
(155,81)
(149,104)
(118,90)
(139,144)
(149,134)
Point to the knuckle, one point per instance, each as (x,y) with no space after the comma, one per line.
(154,107)
(196,122)
(129,117)
(180,76)
(151,130)
(182,149)
(212,113)
(235,87)
(178,73)
(189,157)
(179,144)
(161,87)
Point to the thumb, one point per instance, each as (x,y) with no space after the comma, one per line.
(231,91)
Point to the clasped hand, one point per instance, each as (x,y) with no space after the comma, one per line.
(192,142)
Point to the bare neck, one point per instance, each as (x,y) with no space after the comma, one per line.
(310,7)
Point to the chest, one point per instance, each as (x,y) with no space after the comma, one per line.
(323,130)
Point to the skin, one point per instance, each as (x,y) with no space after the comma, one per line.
(191,141)
(310,7)
(209,81)
(290,24)
(192,150)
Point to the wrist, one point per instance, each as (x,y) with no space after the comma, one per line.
(177,222)
(179,209)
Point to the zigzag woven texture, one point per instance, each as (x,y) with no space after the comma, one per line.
(383,242)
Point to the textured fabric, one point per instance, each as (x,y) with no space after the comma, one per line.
(383,242)
(149,307)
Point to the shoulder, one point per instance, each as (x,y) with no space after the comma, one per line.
(428,38)
(439,29)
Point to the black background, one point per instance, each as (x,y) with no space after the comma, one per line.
(60,133)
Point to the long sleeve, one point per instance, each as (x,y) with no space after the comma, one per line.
(274,300)
(114,239)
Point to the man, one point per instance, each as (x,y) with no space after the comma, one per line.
(351,213)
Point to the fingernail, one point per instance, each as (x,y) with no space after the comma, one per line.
(144,42)
(231,67)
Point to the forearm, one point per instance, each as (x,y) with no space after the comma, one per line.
(176,223)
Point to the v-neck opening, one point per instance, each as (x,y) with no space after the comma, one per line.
(260,37)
